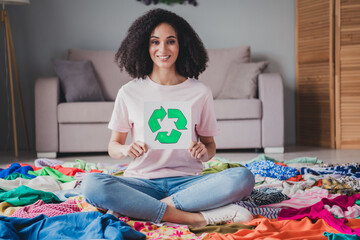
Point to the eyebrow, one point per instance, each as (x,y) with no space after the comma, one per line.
(167,37)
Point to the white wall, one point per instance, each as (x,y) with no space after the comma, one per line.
(45,29)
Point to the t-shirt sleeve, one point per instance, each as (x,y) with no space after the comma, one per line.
(207,126)
(120,116)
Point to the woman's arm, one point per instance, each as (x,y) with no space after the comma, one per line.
(203,150)
(118,150)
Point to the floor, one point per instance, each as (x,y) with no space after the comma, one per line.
(291,152)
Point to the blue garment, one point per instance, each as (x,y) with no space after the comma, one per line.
(270,169)
(342,170)
(83,225)
(140,198)
(17,168)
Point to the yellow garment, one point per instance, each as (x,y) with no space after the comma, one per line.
(118,173)
(7,209)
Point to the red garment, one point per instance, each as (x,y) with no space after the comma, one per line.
(297,178)
(318,183)
(69,171)
(96,170)
(281,164)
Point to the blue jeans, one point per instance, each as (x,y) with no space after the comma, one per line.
(140,198)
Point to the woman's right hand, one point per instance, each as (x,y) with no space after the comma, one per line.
(136,149)
(118,150)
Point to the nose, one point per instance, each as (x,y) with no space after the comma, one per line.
(162,47)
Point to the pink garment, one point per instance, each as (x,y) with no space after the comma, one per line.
(50,210)
(304,199)
(318,211)
(128,115)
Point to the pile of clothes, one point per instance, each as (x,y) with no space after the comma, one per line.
(300,198)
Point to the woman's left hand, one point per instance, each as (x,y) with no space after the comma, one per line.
(198,150)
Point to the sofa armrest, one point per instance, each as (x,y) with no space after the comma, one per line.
(271,94)
(47,97)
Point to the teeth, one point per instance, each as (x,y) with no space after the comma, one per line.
(164,57)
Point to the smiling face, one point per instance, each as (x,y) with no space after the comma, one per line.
(164,46)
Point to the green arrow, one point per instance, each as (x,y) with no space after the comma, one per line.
(174,137)
(153,121)
(181,122)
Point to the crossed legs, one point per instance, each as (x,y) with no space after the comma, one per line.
(150,200)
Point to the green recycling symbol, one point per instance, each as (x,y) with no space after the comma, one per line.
(160,114)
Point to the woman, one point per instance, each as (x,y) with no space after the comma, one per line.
(165,56)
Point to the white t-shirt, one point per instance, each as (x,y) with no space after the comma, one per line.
(128,115)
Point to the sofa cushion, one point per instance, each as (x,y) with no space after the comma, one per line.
(219,64)
(109,75)
(239,134)
(78,80)
(85,112)
(232,109)
(241,80)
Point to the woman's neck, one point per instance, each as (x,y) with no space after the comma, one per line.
(166,76)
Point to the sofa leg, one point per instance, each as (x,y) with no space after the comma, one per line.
(46,154)
(274,150)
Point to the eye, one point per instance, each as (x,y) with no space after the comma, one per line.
(171,42)
(154,42)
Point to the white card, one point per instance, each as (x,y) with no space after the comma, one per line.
(167,125)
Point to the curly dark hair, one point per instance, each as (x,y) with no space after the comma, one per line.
(133,54)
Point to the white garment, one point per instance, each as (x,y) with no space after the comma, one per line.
(287,187)
(43,183)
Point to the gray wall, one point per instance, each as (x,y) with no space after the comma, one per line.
(45,29)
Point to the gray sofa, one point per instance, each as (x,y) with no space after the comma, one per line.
(245,120)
